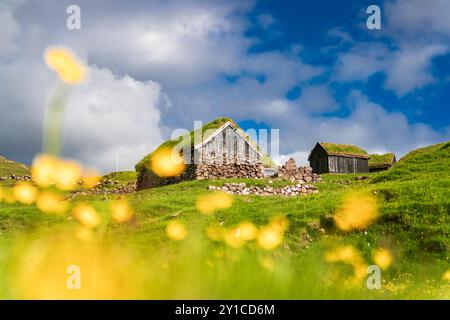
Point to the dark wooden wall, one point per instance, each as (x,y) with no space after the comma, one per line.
(339,164)
(318,160)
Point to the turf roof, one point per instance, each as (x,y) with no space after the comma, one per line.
(335,149)
(381,160)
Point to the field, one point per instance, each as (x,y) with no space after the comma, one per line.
(142,259)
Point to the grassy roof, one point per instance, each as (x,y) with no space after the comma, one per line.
(335,149)
(210,126)
(381,160)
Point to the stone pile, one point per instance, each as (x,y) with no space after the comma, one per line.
(287,191)
(290,171)
(231,170)
(15,177)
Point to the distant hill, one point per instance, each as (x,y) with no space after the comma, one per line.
(423,163)
(9,167)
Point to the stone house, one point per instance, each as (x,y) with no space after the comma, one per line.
(220,149)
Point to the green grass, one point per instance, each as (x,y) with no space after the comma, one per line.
(379,160)
(9,167)
(413,222)
(345,149)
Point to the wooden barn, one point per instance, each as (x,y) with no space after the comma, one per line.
(380,162)
(329,157)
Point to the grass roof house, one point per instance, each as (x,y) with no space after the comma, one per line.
(219,149)
(380,162)
(328,157)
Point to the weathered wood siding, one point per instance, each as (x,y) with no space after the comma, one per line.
(339,164)
(318,160)
(228,147)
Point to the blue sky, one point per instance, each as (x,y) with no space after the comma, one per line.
(311,69)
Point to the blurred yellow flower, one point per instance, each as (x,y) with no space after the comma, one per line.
(67,175)
(86,215)
(43,170)
(121,211)
(65,64)
(176,230)
(233,239)
(247,231)
(214,233)
(210,203)
(91,179)
(7,196)
(269,238)
(348,254)
(446,275)
(279,223)
(51,202)
(25,192)
(383,258)
(2,194)
(61,267)
(166,163)
(357,211)
(64,174)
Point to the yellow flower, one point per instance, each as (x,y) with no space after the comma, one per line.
(351,256)
(91,179)
(357,212)
(121,211)
(247,231)
(86,215)
(233,239)
(176,231)
(446,275)
(50,202)
(269,238)
(65,64)
(25,192)
(383,258)
(2,194)
(210,203)
(67,175)
(214,233)
(43,170)
(166,163)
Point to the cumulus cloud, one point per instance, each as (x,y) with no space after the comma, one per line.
(111,116)
(406,68)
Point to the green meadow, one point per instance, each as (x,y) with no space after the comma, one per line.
(138,260)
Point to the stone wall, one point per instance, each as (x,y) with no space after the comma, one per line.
(231,170)
(147,179)
(290,171)
(287,191)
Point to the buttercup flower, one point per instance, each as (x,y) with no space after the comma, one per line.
(86,215)
(25,192)
(65,64)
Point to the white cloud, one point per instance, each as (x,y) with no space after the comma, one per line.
(317,99)
(111,115)
(406,68)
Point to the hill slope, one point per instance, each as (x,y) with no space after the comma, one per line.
(9,167)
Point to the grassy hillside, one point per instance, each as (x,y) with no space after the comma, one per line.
(9,167)
(413,223)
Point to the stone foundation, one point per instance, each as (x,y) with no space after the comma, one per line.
(147,179)
(288,191)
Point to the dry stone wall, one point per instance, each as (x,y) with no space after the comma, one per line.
(287,191)
(290,171)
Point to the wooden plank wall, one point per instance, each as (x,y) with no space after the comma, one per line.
(228,147)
